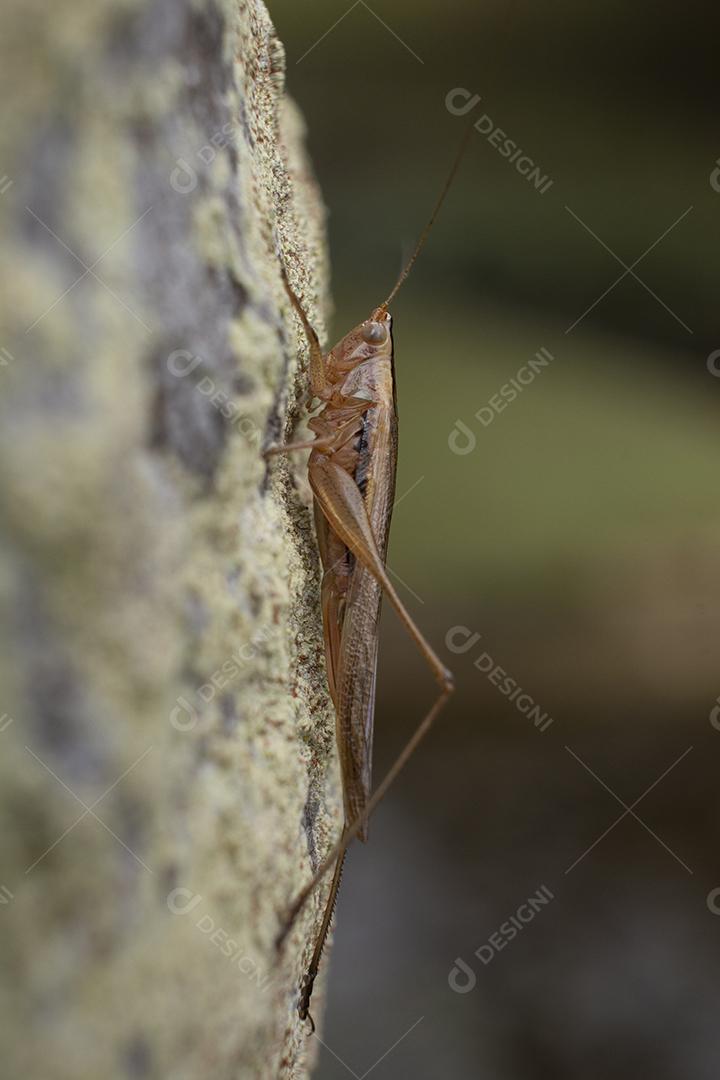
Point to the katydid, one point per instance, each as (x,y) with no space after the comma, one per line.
(351,469)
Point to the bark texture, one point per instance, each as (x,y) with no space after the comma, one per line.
(165,735)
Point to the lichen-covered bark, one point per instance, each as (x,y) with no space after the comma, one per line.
(165,730)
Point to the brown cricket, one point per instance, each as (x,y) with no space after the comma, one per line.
(352,468)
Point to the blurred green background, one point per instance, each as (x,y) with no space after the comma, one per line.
(578,538)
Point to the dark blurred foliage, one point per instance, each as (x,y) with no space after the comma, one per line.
(578,538)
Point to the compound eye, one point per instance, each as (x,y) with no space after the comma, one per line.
(374,333)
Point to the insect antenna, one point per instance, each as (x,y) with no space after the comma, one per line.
(426,231)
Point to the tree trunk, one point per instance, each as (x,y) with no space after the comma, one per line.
(166,735)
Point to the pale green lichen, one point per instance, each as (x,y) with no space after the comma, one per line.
(158,582)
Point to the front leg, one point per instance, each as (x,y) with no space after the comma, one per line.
(329,438)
